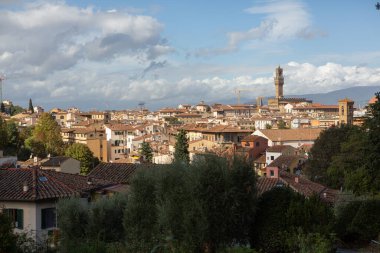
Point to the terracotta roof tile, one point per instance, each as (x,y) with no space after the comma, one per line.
(44,184)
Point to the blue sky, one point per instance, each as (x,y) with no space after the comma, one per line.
(113,54)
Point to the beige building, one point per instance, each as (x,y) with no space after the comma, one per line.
(95,139)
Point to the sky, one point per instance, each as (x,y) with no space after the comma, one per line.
(110,54)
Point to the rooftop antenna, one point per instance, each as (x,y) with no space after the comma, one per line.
(2,77)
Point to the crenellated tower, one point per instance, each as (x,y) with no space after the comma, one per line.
(279,82)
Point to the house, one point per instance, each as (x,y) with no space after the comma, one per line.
(62,164)
(29,196)
(274,152)
(94,138)
(120,173)
(254,146)
(276,177)
(119,140)
(292,137)
(7,161)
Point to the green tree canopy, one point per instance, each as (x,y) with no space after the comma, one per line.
(48,132)
(198,207)
(2,107)
(3,134)
(82,153)
(327,145)
(285,219)
(181,152)
(147,152)
(30,108)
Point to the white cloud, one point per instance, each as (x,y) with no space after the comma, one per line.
(283,20)
(46,37)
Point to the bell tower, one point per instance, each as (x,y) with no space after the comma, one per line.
(279,82)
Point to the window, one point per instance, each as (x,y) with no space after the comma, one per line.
(257,144)
(271,173)
(272,157)
(48,218)
(16,216)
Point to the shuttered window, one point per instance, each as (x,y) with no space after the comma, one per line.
(48,218)
(16,216)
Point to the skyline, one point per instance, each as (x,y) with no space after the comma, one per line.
(113,54)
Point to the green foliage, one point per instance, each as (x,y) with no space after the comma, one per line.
(358,221)
(82,153)
(30,108)
(147,152)
(48,133)
(2,107)
(181,153)
(105,219)
(7,238)
(285,218)
(36,147)
(140,219)
(15,109)
(73,219)
(267,126)
(3,134)
(327,145)
(281,124)
(208,204)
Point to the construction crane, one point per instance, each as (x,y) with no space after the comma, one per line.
(2,77)
(237,92)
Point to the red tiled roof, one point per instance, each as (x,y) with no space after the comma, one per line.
(117,172)
(279,148)
(249,138)
(44,184)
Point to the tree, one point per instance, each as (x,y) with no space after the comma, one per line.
(355,167)
(7,238)
(327,145)
(3,134)
(285,219)
(2,107)
(82,153)
(267,126)
(147,152)
(281,124)
(31,109)
(181,153)
(48,132)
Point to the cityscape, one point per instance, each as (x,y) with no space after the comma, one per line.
(189,127)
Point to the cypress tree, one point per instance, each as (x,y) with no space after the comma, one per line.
(31,109)
(2,107)
(181,152)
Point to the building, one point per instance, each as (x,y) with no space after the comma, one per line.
(292,137)
(346,111)
(279,101)
(62,164)
(29,197)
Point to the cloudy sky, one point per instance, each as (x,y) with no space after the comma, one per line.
(110,54)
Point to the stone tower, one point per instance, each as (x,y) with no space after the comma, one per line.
(346,111)
(279,82)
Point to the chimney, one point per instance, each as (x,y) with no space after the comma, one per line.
(25,187)
(297,179)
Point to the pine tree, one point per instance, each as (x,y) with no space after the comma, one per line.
(2,108)
(31,109)
(181,152)
(147,152)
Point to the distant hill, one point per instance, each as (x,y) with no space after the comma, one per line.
(360,95)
